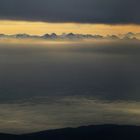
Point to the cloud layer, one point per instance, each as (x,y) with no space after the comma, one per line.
(51,113)
(55,85)
(80,11)
(107,70)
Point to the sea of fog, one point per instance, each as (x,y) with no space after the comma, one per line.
(47,85)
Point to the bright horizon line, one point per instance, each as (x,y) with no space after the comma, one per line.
(10,27)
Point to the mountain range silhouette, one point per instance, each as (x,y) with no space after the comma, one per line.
(72,36)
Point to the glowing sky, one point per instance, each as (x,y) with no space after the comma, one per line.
(78,16)
(14,27)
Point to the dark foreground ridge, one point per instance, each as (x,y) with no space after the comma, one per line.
(95,132)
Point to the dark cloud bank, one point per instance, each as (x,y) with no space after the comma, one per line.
(81,11)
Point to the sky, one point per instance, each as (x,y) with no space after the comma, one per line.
(63,16)
(39,28)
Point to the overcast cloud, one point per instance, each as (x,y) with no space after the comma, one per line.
(80,11)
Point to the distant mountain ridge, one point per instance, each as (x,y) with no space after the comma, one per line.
(72,36)
(94,132)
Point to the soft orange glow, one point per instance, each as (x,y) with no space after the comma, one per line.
(39,28)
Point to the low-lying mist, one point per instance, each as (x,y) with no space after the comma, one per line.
(43,82)
(105,69)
